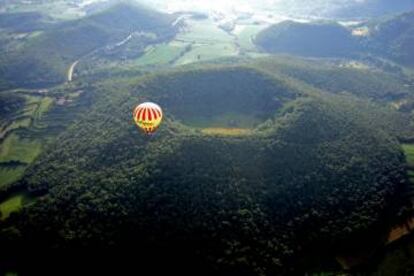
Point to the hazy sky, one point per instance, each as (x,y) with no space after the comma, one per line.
(291,8)
(246,4)
(286,7)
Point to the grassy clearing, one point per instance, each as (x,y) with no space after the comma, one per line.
(162,53)
(227,120)
(226,131)
(204,31)
(208,42)
(203,52)
(29,109)
(19,123)
(36,106)
(13,204)
(409,153)
(43,106)
(33,110)
(14,148)
(10,175)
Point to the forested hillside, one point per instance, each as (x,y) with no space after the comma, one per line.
(45,58)
(324,39)
(337,78)
(24,22)
(187,201)
(369,8)
(394,38)
(390,38)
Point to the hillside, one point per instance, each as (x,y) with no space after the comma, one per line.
(324,39)
(45,58)
(23,22)
(346,9)
(394,38)
(339,77)
(391,38)
(188,201)
(371,8)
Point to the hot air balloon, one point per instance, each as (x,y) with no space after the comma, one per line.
(148,117)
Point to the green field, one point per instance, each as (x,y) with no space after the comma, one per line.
(35,106)
(18,123)
(202,52)
(226,131)
(228,120)
(161,54)
(43,106)
(15,148)
(409,155)
(204,31)
(201,41)
(10,175)
(208,42)
(13,204)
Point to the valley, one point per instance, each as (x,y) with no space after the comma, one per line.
(287,140)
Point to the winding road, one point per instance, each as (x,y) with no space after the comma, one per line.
(71,70)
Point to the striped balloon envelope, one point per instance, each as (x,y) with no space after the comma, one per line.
(148,117)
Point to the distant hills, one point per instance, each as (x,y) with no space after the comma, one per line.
(392,38)
(45,58)
(24,21)
(372,8)
(346,9)
(324,39)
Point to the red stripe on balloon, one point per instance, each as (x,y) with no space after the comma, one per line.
(139,114)
(154,114)
(144,114)
(149,114)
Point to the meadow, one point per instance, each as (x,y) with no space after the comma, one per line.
(16,150)
(161,54)
(14,204)
(409,155)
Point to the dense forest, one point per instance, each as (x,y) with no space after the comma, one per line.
(196,203)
